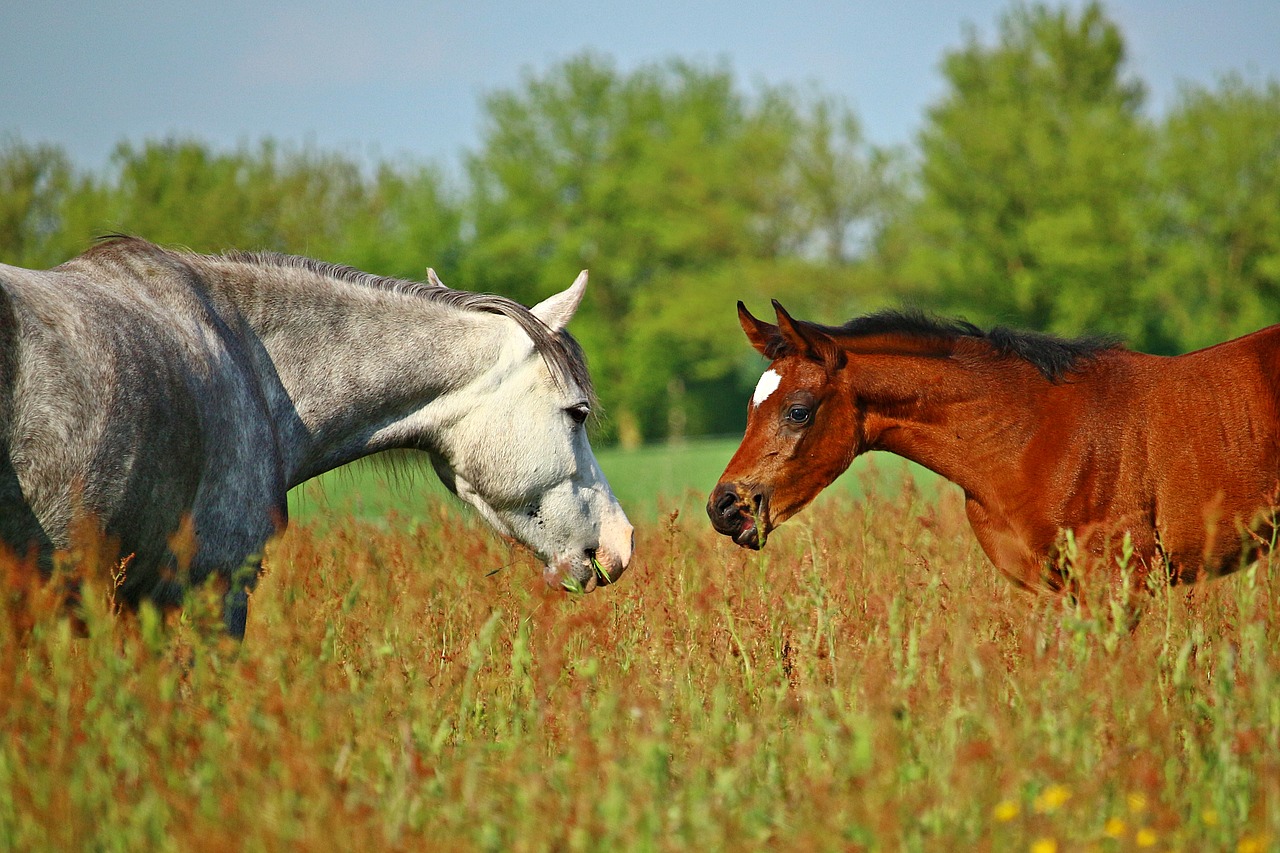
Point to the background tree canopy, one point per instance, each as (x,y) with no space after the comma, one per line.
(1039,194)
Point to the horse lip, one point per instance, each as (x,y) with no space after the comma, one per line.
(556,571)
(752,521)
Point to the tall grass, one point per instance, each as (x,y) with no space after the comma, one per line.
(867,682)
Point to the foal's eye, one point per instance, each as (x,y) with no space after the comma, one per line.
(798,415)
(579,412)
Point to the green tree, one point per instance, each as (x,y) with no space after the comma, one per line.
(408,220)
(635,176)
(183,192)
(663,182)
(1218,215)
(696,368)
(393,220)
(844,188)
(665,168)
(34,183)
(1033,175)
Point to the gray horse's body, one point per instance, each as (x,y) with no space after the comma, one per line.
(140,386)
(135,405)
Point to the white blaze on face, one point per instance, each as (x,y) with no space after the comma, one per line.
(767,385)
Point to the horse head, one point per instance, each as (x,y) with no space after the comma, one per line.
(802,429)
(517,451)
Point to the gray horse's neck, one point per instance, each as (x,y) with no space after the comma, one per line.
(343,362)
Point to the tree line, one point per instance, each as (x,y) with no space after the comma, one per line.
(1038,194)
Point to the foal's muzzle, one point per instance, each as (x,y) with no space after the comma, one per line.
(739,515)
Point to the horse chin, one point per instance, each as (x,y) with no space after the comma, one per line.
(749,536)
(564,573)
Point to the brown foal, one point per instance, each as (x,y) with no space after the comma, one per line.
(1177,458)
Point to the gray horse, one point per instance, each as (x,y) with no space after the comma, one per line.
(144,389)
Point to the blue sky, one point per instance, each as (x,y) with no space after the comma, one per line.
(388,78)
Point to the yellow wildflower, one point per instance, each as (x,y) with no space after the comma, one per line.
(1137,802)
(1005,811)
(1252,844)
(1052,798)
(1209,817)
(1044,845)
(1114,828)
(1146,837)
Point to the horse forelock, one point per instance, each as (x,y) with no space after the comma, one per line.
(1052,356)
(562,353)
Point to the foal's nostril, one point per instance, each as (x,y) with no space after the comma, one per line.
(728,503)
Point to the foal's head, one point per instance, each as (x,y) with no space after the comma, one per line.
(802,430)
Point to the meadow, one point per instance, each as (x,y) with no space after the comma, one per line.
(868,682)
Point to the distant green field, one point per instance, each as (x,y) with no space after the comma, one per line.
(648,481)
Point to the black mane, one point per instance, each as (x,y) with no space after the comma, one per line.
(1053,356)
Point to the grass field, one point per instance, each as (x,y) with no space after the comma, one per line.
(868,682)
(649,482)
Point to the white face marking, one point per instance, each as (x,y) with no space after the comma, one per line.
(766,386)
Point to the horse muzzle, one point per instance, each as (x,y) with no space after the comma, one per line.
(592,568)
(741,515)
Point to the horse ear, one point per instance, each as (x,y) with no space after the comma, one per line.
(807,340)
(556,311)
(758,332)
(433,279)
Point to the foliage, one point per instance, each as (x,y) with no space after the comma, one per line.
(662,182)
(698,370)
(181,192)
(633,175)
(1032,168)
(869,682)
(1218,216)
(34,181)
(1039,195)
(845,190)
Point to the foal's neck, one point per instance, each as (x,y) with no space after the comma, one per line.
(966,422)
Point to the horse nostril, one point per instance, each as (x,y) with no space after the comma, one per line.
(728,503)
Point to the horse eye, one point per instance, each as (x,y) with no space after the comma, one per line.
(579,412)
(798,415)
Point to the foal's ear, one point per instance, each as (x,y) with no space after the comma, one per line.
(556,311)
(760,333)
(808,340)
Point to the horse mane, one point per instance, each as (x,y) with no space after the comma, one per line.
(561,351)
(1054,357)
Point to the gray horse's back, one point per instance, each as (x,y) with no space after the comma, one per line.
(124,397)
